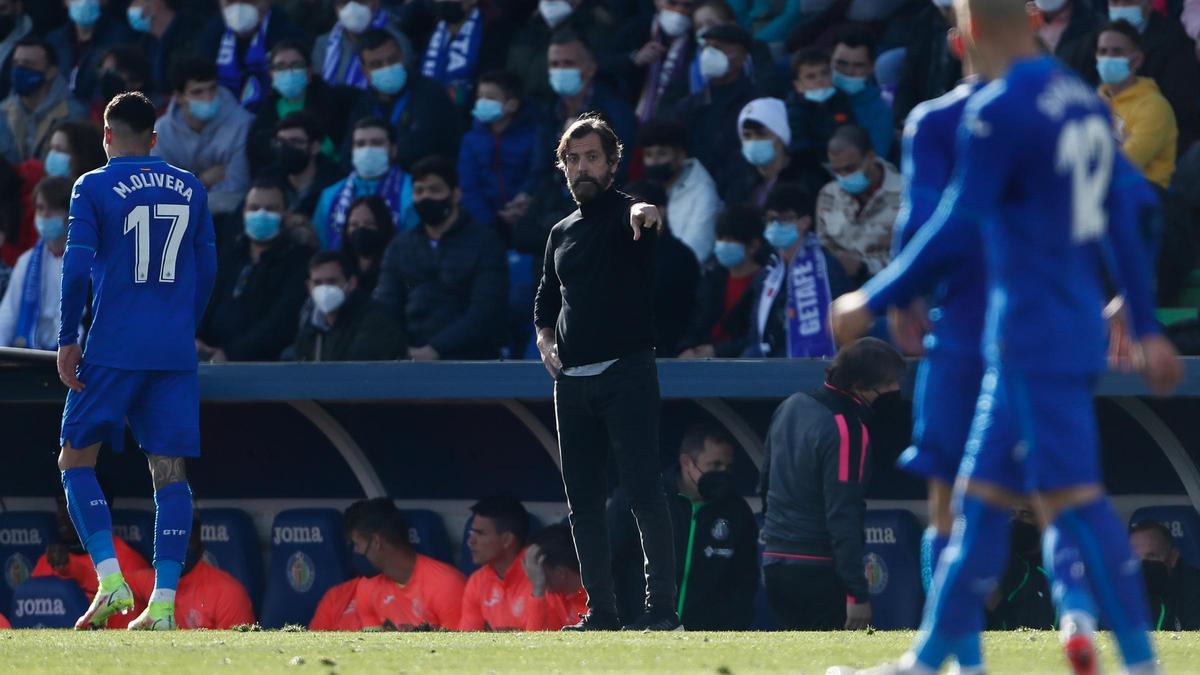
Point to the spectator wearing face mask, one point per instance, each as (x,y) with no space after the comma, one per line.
(259,287)
(239,42)
(79,44)
(1145,123)
(853,64)
(369,230)
(716,538)
(815,109)
(123,68)
(204,131)
(790,297)
(167,29)
(1172,584)
(303,169)
(691,192)
(335,55)
(766,137)
(415,106)
(720,320)
(527,53)
(40,99)
(760,64)
(15,25)
(29,308)
(496,154)
(856,211)
(652,56)
(1022,599)
(339,322)
(461,43)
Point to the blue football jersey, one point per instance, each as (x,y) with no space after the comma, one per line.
(1039,172)
(143,229)
(959,298)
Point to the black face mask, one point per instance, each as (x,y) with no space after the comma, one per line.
(660,173)
(433,211)
(1026,538)
(715,486)
(292,160)
(367,241)
(1156,575)
(451,12)
(111,84)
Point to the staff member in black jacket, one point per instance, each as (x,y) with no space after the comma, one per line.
(817,472)
(595,320)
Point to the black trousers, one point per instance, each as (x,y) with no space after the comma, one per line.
(615,412)
(805,597)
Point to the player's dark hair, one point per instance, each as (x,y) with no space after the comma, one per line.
(856,37)
(301,119)
(56,190)
(1124,28)
(663,132)
(509,82)
(508,514)
(792,197)
(191,68)
(133,110)
(809,56)
(1156,527)
(373,122)
(587,124)
(740,222)
(558,548)
(866,363)
(375,38)
(854,136)
(698,434)
(647,191)
(326,257)
(369,517)
(290,45)
(436,165)
(87,145)
(35,41)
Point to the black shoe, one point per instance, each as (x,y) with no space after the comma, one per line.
(656,622)
(594,622)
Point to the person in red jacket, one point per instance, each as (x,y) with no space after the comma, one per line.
(552,568)
(338,609)
(498,593)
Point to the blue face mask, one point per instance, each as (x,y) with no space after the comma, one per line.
(84,12)
(389,80)
(850,85)
(820,95)
(138,19)
(51,228)
(26,80)
(487,110)
(1133,15)
(205,111)
(370,162)
(856,183)
(1113,69)
(290,83)
(780,235)
(58,164)
(759,152)
(566,81)
(729,254)
(262,225)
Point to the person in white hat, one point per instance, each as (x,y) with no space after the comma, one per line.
(765,136)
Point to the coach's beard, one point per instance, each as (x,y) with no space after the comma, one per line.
(586,188)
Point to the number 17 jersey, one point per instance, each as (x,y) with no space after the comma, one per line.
(148,225)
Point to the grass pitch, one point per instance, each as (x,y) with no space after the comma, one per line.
(296,653)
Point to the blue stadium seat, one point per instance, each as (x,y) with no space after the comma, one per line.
(308,555)
(23,539)
(47,602)
(231,545)
(1182,521)
(136,527)
(427,534)
(893,566)
(464,554)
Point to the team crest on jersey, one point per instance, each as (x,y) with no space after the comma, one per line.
(300,572)
(876,571)
(494,600)
(16,570)
(518,607)
(721,529)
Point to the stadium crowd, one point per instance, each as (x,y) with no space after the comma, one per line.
(382,172)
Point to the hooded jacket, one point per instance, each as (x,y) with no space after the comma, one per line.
(221,142)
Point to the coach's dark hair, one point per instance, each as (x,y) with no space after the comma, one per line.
(1124,28)
(373,122)
(436,165)
(375,38)
(192,68)
(35,41)
(326,257)
(133,110)
(791,197)
(558,548)
(1156,527)
(853,136)
(87,145)
(369,517)
(740,222)
(292,45)
(56,190)
(866,363)
(663,132)
(587,124)
(507,513)
(697,434)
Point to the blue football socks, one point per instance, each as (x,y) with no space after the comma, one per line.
(172,529)
(89,513)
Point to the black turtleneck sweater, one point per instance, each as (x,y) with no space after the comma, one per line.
(597,287)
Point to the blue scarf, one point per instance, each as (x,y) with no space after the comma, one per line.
(454,62)
(354,75)
(248,83)
(390,187)
(808,299)
(31,300)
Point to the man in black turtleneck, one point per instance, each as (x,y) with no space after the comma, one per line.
(595,320)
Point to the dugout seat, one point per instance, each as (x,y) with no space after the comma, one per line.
(464,554)
(308,555)
(1182,521)
(892,559)
(23,539)
(136,527)
(47,602)
(231,545)
(427,534)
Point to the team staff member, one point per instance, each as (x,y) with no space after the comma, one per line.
(595,320)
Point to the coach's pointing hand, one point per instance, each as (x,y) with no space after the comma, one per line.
(643,215)
(69,357)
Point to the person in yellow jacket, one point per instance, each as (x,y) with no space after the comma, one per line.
(1146,126)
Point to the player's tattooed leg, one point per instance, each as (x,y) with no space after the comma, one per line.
(166,470)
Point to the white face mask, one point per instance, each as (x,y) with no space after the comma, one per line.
(354,17)
(713,63)
(241,17)
(673,23)
(328,298)
(555,11)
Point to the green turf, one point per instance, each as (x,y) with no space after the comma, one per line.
(284,652)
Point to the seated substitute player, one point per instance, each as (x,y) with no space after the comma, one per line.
(1063,206)
(141,230)
(411,591)
(338,609)
(498,594)
(552,568)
